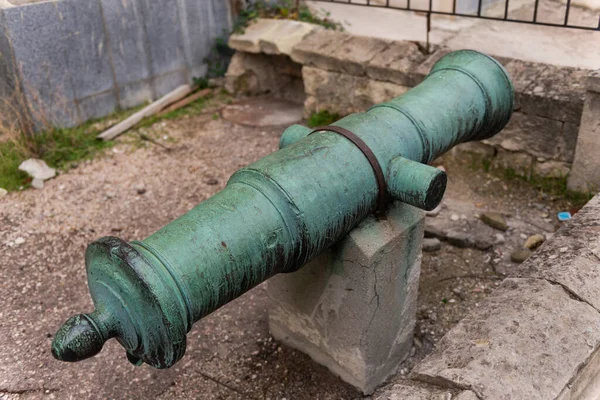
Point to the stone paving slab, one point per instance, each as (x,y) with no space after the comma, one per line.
(413,390)
(526,341)
(572,257)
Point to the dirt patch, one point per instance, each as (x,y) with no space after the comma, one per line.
(132,192)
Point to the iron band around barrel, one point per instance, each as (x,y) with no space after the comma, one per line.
(362,146)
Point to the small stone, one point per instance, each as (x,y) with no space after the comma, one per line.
(435,212)
(534,241)
(433,232)
(110,195)
(483,243)
(37,183)
(500,238)
(459,239)
(19,240)
(140,188)
(454,217)
(495,220)
(37,169)
(518,256)
(523,236)
(212,181)
(3,192)
(431,244)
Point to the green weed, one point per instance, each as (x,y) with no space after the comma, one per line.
(322,118)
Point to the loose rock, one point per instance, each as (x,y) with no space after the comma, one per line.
(140,188)
(483,243)
(495,220)
(434,212)
(460,239)
(431,244)
(500,238)
(535,241)
(454,217)
(3,192)
(38,170)
(434,232)
(19,240)
(518,256)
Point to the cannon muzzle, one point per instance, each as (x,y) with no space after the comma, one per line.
(281,211)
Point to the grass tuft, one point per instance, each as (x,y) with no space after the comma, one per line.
(62,147)
(322,118)
(282,9)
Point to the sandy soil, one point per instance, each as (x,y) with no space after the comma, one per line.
(230,354)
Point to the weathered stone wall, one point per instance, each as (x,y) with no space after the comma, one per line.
(343,74)
(586,168)
(75,60)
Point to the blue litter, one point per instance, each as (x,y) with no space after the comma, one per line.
(564,216)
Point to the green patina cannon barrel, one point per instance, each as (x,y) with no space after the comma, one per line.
(281,211)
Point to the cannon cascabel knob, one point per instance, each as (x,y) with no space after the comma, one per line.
(77,339)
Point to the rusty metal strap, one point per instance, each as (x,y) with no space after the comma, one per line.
(362,146)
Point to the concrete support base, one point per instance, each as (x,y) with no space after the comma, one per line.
(352,309)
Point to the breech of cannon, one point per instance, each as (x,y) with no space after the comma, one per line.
(281,211)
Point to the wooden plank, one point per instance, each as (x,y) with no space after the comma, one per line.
(186,101)
(151,109)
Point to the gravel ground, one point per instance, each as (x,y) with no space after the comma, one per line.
(132,192)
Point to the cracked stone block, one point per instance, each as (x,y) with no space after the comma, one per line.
(353,307)
(397,64)
(557,93)
(585,174)
(522,74)
(330,91)
(271,36)
(538,136)
(254,74)
(338,51)
(568,258)
(527,340)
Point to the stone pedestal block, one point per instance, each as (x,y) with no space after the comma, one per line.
(353,308)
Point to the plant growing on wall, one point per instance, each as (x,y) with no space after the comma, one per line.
(282,9)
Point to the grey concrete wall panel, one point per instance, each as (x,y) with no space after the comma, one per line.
(221,18)
(135,93)
(37,36)
(164,37)
(197,33)
(87,48)
(124,24)
(168,82)
(7,78)
(98,105)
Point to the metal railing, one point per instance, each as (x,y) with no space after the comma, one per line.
(479,13)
